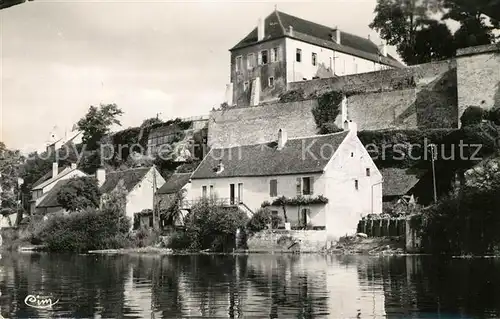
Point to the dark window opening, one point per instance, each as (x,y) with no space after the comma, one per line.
(306,186)
(367,172)
(356,184)
(264,57)
(298,55)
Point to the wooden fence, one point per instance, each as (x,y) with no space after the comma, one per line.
(383,227)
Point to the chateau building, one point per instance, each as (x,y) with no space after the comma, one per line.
(283,49)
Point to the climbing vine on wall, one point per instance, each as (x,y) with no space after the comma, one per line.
(326,112)
(296,201)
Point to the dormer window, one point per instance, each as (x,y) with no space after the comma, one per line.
(219,168)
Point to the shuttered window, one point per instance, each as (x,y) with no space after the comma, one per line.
(299,186)
(273,188)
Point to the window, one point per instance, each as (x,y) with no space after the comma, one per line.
(231,194)
(245,86)
(356,184)
(352,154)
(314,58)
(204,191)
(273,188)
(264,57)
(212,190)
(306,186)
(240,193)
(239,63)
(274,55)
(303,216)
(298,55)
(367,172)
(251,61)
(271,81)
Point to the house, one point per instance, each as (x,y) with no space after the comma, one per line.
(330,181)
(284,48)
(44,191)
(140,185)
(399,186)
(167,194)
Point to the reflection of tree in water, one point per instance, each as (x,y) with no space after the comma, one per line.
(436,286)
(84,286)
(289,290)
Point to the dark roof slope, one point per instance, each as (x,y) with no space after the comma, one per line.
(300,155)
(50,200)
(130,177)
(397,181)
(175,183)
(278,23)
(47,176)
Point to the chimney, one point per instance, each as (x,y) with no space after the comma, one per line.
(282,138)
(290,30)
(100,175)
(260,30)
(383,49)
(337,36)
(55,169)
(353,127)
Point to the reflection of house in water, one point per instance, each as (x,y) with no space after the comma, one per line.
(138,296)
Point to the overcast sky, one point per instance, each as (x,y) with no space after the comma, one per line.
(149,57)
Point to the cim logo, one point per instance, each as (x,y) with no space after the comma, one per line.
(39,302)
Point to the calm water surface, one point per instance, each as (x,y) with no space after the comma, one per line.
(255,286)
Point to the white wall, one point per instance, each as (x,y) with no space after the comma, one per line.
(346,204)
(256,190)
(340,63)
(141,196)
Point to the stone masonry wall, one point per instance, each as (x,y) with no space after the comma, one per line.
(478,74)
(251,125)
(422,96)
(283,241)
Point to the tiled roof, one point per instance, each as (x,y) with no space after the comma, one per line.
(278,23)
(130,177)
(46,177)
(65,171)
(300,155)
(175,183)
(397,181)
(50,200)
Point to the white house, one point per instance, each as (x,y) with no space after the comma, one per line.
(44,191)
(283,48)
(140,184)
(335,166)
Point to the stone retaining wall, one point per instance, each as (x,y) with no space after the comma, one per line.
(288,241)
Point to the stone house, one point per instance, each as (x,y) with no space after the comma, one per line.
(399,187)
(44,191)
(167,194)
(284,49)
(140,185)
(306,170)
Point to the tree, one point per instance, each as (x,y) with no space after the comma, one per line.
(4,4)
(151,121)
(97,123)
(173,212)
(79,193)
(399,23)
(471,14)
(10,172)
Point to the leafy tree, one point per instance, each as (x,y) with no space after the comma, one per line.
(472,115)
(399,23)
(172,213)
(79,193)
(261,219)
(10,172)
(151,121)
(471,14)
(97,123)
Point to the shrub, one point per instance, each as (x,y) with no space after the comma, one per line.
(179,240)
(472,115)
(145,237)
(261,219)
(210,225)
(79,193)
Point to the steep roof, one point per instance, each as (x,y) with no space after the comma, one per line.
(175,183)
(47,176)
(61,173)
(130,177)
(278,24)
(50,200)
(299,155)
(397,181)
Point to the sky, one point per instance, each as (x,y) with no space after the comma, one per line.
(170,58)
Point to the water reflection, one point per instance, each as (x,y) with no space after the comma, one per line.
(262,286)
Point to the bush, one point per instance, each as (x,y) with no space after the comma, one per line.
(261,219)
(179,240)
(87,230)
(472,115)
(145,237)
(210,225)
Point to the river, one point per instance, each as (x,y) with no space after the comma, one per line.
(252,286)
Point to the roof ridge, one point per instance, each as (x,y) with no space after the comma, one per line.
(277,13)
(317,135)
